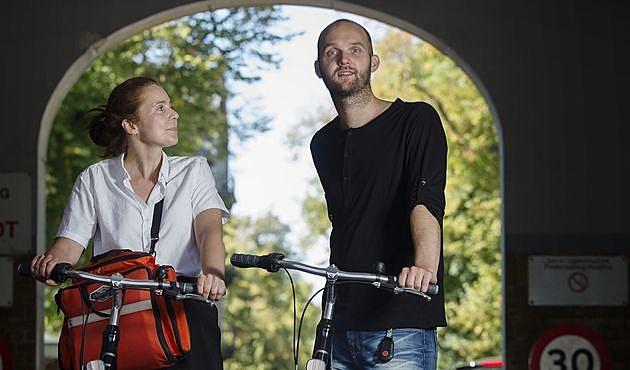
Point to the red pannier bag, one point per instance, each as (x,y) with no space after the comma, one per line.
(154,331)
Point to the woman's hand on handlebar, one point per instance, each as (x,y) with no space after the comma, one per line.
(62,250)
(416,277)
(41,267)
(211,286)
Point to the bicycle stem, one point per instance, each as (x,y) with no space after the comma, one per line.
(111,334)
(325,330)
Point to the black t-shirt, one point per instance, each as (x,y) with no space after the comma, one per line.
(373,176)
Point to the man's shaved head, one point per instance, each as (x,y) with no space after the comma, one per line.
(325,31)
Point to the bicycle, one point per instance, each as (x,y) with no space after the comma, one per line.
(116,284)
(320,357)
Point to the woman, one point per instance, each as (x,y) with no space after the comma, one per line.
(112,201)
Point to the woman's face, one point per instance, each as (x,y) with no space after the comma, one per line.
(157,120)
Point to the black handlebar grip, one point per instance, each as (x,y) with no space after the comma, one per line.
(24,269)
(58,273)
(245,260)
(267,262)
(186,288)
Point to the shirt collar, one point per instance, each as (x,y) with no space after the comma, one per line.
(164,170)
(162,176)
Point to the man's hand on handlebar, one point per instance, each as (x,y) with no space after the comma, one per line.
(210,285)
(416,277)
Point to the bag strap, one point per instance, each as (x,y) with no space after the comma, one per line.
(155,226)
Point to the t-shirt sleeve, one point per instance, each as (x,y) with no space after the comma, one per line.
(79,217)
(205,194)
(426,152)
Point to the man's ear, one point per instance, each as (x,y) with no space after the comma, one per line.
(374,62)
(129,127)
(317,71)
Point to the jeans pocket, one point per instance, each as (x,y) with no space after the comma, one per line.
(416,347)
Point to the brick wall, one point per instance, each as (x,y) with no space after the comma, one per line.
(525,324)
(17,323)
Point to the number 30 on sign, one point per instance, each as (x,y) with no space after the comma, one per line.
(569,347)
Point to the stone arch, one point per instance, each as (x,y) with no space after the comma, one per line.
(105,44)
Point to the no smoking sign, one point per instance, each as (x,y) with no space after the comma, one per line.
(578,282)
(569,347)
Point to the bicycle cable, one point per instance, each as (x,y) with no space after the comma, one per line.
(83,332)
(302,319)
(299,333)
(295,359)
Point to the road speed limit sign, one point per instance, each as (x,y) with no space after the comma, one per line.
(569,347)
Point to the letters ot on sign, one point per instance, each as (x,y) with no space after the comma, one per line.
(15,214)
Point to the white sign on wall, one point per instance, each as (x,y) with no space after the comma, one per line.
(15,213)
(578,280)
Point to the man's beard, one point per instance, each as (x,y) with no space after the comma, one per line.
(358,88)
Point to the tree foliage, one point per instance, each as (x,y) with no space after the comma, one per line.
(414,70)
(257,331)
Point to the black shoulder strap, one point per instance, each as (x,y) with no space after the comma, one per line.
(155,225)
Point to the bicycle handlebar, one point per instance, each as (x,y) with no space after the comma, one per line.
(58,273)
(274,261)
(172,289)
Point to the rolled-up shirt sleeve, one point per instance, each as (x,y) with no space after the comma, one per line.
(426,162)
(205,194)
(79,217)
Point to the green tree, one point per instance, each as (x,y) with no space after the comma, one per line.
(195,58)
(414,70)
(258,324)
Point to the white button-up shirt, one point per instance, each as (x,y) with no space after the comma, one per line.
(104,206)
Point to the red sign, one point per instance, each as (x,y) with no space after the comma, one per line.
(6,359)
(569,347)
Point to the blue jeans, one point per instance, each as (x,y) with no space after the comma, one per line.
(414,349)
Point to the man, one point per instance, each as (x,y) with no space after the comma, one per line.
(383,169)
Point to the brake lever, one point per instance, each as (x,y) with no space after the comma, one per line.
(398,290)
(175,294)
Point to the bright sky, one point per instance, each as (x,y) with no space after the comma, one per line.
(266,176)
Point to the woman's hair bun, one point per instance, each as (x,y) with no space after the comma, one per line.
(100,131)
